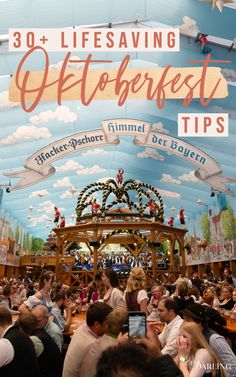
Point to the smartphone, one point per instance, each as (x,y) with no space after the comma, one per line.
(125,329)
(137,325)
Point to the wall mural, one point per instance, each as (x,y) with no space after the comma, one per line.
(214,235)
(14,240)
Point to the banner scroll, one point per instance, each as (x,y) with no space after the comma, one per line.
(39,166)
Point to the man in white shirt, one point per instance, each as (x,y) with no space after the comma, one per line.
(167,310)
(86,336)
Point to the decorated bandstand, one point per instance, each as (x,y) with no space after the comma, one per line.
(130,213)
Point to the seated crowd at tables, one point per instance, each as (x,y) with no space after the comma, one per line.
(186,327)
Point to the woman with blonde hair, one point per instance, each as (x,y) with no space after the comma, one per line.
(182,297)
(135,294)
(194,357)
(226,301)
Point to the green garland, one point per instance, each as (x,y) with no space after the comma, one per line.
(121,192)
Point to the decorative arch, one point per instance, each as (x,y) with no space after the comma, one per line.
(122,193)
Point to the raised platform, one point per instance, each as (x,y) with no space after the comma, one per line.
(138,232)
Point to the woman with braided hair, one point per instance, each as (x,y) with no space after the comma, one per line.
(135,294)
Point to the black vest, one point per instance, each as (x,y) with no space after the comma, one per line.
(50,360)
(24,363)
(131,300)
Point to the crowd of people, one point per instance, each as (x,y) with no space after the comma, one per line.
(186,333)
(119,261)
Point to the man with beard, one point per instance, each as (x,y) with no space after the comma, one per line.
(58,309)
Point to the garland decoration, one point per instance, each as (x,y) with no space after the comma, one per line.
(114,194)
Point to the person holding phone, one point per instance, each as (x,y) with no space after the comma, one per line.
(136,325)
(129,359)
(135,294)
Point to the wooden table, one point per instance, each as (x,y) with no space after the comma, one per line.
(76,322)
(230,325)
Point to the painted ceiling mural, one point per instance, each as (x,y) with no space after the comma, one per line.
(23,134)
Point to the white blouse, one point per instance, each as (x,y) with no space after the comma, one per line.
(200,364)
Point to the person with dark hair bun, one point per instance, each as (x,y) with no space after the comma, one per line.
(131,360)
(113,296)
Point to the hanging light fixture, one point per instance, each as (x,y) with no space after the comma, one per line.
(199,202)
(212,194)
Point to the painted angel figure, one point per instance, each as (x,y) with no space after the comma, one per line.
(153,207)
(56,215)
(63,222)
(119,176)
(171,221)
(181,216)
(95,206)
(203,41)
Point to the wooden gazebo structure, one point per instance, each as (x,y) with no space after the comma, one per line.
(119,220)
(96,235)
